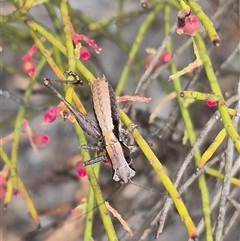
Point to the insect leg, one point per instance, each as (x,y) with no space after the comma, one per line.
(95,160)
(92,147)
(87,124)
(77,80)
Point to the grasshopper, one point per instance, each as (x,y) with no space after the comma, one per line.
(108,127)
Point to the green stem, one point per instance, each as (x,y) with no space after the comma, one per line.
(68,36)
(16,139)
(14,16)
(80,135)
(223,109)
(191,135)
(156,164)
(18,126)
(55,42)
(135,47)
(92,172)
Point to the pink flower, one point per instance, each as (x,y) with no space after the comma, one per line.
(51,114)
(30,53)
(190,27)
(80,169)
(40,139)
(28,64)
(29,67)
(84,53)
(81,37)
(211,103)
(164,58)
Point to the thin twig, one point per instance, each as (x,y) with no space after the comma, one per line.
(215,200)
(189,156)
(195,176)
(176,55)
(225,191)
(231,222)
(155,59)
(162,215)
(226,183)
(19,101)
(234,203)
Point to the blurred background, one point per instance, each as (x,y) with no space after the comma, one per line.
(49,174)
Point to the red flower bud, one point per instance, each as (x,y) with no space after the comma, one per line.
(164,58)
(29,67)
(84,53)
(148,61)
(190,27)
(51,114)
(80,169)
(211,103)
(40,139)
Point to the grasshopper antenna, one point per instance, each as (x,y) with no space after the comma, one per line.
(148,189)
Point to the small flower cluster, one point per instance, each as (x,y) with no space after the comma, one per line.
(164,58)
(38,139)
(53,112)
(29,66)
(84,53)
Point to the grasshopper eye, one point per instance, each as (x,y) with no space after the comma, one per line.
(146,4)
(65,115)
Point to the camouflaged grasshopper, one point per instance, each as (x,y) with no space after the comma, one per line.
(108,127)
